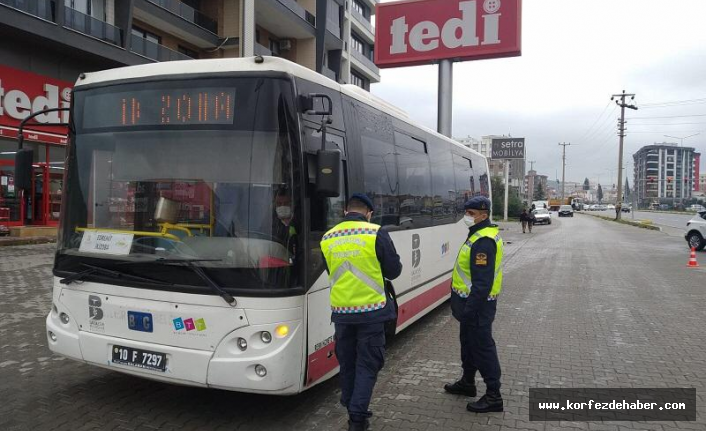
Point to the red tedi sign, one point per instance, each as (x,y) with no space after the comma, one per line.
(423,31)
(23,93)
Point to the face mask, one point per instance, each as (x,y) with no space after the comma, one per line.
(470,221)
(284,212)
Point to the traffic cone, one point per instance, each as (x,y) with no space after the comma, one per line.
(692,260)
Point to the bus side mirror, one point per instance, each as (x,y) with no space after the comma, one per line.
(23,168)
(328,173)
(309,103)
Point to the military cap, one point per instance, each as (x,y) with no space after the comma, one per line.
(363,198)
(477,203)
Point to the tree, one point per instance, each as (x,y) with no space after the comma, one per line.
(599,193)
(514,203)
(627,190)
(586,185)
(539,192)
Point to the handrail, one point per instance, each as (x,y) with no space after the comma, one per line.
(135,232)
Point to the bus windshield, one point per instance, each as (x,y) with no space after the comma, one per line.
(198,170)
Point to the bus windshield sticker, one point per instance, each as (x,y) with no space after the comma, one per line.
(106,242)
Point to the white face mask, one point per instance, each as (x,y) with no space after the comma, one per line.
(284,212)
(470,221)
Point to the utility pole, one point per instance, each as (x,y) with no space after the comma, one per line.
(621,128)
(563,169)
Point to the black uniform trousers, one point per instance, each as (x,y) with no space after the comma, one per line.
(360,350)
(478,351)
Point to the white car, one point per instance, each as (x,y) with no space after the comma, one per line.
(610,207)
(696,231)
(698,208)
(542,216)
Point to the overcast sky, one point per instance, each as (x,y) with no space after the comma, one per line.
(575,55)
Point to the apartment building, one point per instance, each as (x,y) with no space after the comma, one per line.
(664,174)
(46,44)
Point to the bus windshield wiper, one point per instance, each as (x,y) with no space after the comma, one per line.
(189,263)
(109,272)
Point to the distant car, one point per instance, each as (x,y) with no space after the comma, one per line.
(542,216)
(698,208)
(626,209)
(696,231)
(566,211)
(610,207)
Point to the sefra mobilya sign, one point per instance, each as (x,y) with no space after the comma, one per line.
(508,148)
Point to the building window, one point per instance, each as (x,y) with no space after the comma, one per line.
(357,45)
(144,34)
(358,80)
(360,8)
(188,52)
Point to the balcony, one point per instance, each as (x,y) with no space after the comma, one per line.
(362,27)
(329,73)
(285,18)
(90,26)
(40,8)
(155,51)
(374,71)
(188,13)
(262,49)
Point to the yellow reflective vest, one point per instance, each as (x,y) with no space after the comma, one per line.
(355,274)
(461,282)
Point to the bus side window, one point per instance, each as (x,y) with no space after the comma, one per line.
(465,187)
(415,201)
(443,183)
(379,164)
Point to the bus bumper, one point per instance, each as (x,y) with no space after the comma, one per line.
(228,367)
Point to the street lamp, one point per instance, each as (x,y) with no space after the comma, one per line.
(681,140)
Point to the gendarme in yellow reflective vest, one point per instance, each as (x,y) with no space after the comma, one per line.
(461,281)
(357,285)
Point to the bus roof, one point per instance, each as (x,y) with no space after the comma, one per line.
(271,64)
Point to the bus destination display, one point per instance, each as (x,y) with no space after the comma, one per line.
(168,107)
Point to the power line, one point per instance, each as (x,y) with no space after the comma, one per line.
(671,116)
(595,122)
(674,102)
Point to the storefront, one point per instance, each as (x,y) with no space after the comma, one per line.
(21,94)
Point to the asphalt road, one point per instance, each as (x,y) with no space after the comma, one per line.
(586,303)
(677,221)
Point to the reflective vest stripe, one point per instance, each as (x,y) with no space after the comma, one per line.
(355,274)
(465,279)
(461,283)
(347,267)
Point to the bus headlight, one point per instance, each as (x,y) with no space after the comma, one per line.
(260,370)
(266,337)
(282,331)
(242,344)
(64,318)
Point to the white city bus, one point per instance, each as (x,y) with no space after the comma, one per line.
(177,258)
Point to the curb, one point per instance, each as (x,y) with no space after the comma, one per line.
(630,223)
(11,241)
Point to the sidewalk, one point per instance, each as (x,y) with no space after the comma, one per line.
(13,240)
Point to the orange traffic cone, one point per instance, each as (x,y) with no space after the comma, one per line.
(692,260)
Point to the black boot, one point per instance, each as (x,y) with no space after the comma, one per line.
(462,387)
(487,403)
(358,426)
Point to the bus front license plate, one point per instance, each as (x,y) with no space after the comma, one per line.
(139,358)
